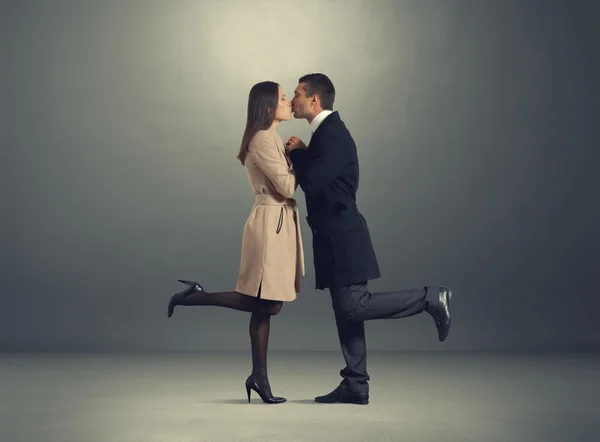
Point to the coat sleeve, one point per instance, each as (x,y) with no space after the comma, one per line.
(268,159)
(315,174)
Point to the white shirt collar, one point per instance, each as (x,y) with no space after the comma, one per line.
(316,122)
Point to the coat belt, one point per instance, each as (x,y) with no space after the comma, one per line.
(271,199)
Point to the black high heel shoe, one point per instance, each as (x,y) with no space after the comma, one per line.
(192,287)
(267,399)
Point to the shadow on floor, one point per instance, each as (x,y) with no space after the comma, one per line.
(258,401)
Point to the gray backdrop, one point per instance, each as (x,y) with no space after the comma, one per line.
(121,122)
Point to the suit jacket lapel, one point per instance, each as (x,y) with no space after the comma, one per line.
(330,118)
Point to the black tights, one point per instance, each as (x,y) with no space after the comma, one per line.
(260,323)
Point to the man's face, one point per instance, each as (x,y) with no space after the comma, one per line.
(301,104)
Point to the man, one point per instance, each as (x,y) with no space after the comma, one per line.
(327,171)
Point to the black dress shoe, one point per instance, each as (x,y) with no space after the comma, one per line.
(343,395)
(440,311)
(177,297)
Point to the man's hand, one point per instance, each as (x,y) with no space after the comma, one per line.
(294,143)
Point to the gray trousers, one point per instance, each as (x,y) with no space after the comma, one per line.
(355,304)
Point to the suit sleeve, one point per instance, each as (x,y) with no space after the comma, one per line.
(268,159)
(299,161)
(315,174)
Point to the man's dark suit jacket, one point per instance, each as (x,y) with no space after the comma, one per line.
(327,172)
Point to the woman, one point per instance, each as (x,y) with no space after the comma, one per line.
(272,254)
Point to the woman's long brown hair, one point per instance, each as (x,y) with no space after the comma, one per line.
(262,102)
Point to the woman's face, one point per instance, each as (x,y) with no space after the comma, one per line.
(283,112)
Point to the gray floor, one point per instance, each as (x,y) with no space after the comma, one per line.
(201,397)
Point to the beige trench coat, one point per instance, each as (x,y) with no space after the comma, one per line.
(272,252)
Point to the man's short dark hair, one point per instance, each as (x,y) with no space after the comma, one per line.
(320,85)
